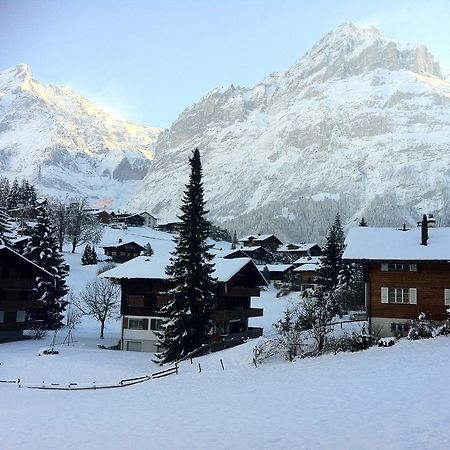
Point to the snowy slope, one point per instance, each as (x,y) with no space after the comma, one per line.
(360,124)
(66,144)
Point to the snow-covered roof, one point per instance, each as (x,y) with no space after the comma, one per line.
(303,247)
(307,260)
(8,249)
(275,267)
(153,267)
(307,268)
(120,244)
(253,248)
(391,244)
(261,237)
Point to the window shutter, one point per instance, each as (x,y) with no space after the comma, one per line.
(447,297)
(413,296)
(413,267)
(125,323)
(145,324)
(384,295)
(384,267)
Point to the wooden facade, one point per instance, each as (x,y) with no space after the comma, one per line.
(269,242)
(123,251)
(141,299)
(17,280)
(429,279)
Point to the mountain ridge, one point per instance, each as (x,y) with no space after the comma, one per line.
(332,133)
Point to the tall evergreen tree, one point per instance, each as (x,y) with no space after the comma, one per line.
(43,250)
(189,313)
(331,266)
(13,198)
(5,229)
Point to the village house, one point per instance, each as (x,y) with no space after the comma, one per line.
(269,241)
(123,251)
(291,252)
(149,220)
(306,271)
(128,219)
(17,280)
(407,272)
(278,273)
(143,282)
(258,254)
(169,227)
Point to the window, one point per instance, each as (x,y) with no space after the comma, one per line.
(399,327)
(398,267)
(399,295)
(136,324)
(135,300)
(156,324)
(447,297)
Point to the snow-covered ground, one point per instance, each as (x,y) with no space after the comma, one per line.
(383,398)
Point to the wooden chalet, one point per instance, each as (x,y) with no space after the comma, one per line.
(269,241)
(103,216)
(143,282)
(169,227)
(123,251)
(278,273)
(130,220)
(306,276)
(17,280)
(292,252)
(258,254)
(407,272)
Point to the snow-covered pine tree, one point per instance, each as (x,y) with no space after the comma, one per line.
(86,257)
(148,250)
(43,250)
(5,228)
(13,198)
(234,242)
(189,313)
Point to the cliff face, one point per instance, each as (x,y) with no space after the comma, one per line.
(67,145)
(360,124)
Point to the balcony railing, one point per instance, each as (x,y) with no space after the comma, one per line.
(235,314)
(28,325)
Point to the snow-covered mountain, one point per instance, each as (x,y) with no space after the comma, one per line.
(66,144)
(360,125)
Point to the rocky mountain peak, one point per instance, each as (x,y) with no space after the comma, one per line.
(15,78)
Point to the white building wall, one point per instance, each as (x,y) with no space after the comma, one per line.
(381,326)
(147,338)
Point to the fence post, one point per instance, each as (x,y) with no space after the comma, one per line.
(221,362)
(254,362)
(199,368)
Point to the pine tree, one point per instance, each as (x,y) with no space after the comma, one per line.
(363,222)
(43,250)
(148,250)
(89,256)
(328,274)
(234,242)
(13,197)
(189,313)
(5,228)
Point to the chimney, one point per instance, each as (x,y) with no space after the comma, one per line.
(424,228)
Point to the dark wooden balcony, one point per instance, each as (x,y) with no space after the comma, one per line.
(238,291)
(20,305)
(25,284)
(28,325)
(235,314)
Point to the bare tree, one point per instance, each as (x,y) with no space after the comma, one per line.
(83,227)
(60,219)
(101,301)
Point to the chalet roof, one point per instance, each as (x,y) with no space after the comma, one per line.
(145,267)
(307,268)
(4,249)
(121,244)
(259,238)
(303,247)
(146,212)
(307,260)
(254,248)
(391,244)
(280,268)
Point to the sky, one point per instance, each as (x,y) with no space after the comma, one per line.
(147,60)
